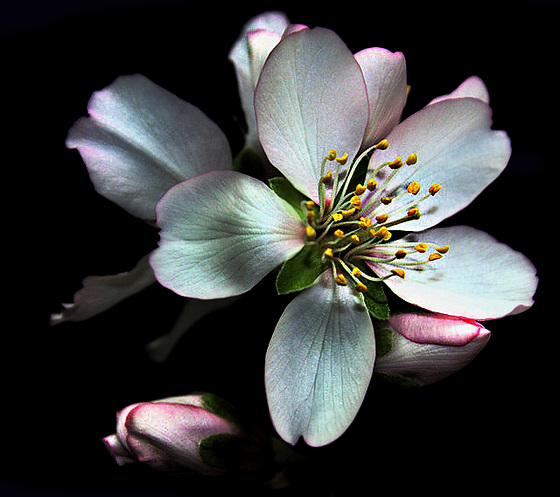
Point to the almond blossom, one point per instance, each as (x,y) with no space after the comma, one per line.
(358,210)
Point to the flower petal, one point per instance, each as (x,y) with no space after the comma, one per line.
(472,87)
(100,293)
(311,97)
(258,37)
(319,363)
(385,76)
(478,278)
(455,147)
(140,140)
(427,362)
(221,233)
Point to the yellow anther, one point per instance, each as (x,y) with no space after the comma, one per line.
(310,205)
(356,202)
(365,223)
(339,233)
(434,257)
(328,254)
(361,288)
(395,164)
(340,280)
(434,189)
(337,216)
(412,159)
(327,178)
(421,247)
(343,159)
(371,185)
(310,232)
(360,189)
(380,233)
(398,272)
(443,250)
(331,155)
(356,272)
(414,212)
(349,212)
(355,239)
(386,200)
(387,236)
(310,216)
(382,218)
(382,145)
(413,188)
(400,254)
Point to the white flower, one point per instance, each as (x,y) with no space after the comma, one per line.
(321,111)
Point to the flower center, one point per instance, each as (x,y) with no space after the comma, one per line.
(352,221)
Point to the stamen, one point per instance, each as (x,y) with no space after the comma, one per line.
(328,254)
(382,218)
(434,189)
(360,288)
(434,257)
(399,272)
(412,159)
(414,213)
(386,200)
(343,159)
(337,216)
(365,223)
(341,280)
(339,233)
(356,202)
(310,216)
(355,239)
(327,178)
(310,205)
(395,164)
(443,250)
(360,189)
(400,254)
(331,155)
(310,233)
(356,272)
(413,188)
(382,145)
(371,185)
(421,247)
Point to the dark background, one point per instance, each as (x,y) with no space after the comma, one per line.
(488,426)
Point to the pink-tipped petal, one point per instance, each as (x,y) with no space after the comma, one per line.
(472,87)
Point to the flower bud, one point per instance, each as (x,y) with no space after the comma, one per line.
(422,348)
(192,433)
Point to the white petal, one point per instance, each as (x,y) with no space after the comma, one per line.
(311,97)
(221,233)
(478,278)
(472,87)
(258,37)
(385,76)
(429,362)
(140,140)
(100,293)
(456,148)
(319,363)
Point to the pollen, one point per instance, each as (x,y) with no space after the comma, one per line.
(331,155)
(361,288)
(434,189)
(396,164)
(327,178)
(349,212)
(434,257)
(414,212)
(355,239)
(365,223)
(412,159)
(356,202)
(339,233)
(399,272)
(443,250)
(310,232)
(310,204)
(356,272)
(328,253)
(413,188)
(343,159)
(386,200)
(380,233)
(360,189)
(371,185)
(341,280)
(382,218)
(310,216)
(421,247)
(337,216)
(400,254)
(382,145)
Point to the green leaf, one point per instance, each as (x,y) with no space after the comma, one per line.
(286,191)
(301,271)
(383,342)
(376,301)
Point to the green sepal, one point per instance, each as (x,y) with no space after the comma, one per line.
(376,301)
(222,451)
(221,408)
(286,191)
(301,271)
(383,342)
(399,379)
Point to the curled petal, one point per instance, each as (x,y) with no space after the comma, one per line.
(221,233)
(319,363)
(478,278)
(311,97)
(456,342)
(140,140)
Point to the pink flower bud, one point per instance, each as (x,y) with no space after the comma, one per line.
(191,433)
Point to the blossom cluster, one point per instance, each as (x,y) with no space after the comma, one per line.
(352,219)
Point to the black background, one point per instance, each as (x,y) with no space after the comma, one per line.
(488,426)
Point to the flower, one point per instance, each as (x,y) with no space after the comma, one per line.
(195,433)
(422,348)
(138,141)
(329,121)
